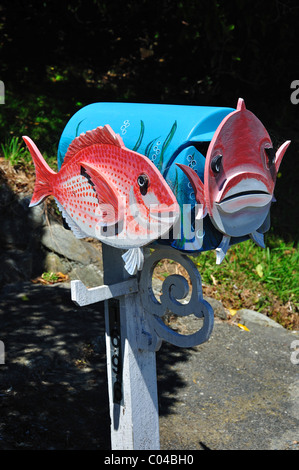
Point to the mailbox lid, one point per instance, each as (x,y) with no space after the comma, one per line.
(158,131)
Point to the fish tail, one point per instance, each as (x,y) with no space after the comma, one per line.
(43,184)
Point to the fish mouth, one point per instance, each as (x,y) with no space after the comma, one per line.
(239,197)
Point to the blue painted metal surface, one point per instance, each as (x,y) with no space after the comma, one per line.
(166,134)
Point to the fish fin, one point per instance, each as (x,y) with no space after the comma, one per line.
(280,153)
(134,259)
(258,238)
(201,211)
(241,105)
(265,225)
(69,221)
(197,185)
(101,135)
(43,184)
(222,249)
(111,205)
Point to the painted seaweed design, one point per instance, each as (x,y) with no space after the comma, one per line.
(139,140)
(77,128)
(150,146)
(166,144)
(176,184)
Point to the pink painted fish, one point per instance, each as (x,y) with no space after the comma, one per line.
(239,178)
(109,192)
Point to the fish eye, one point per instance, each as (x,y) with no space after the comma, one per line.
(143,182)
(270,154)
(216,163)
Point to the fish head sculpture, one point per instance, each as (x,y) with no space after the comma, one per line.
(239,176)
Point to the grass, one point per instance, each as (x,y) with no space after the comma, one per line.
(275,267)
(266,280)
(14,151)
(36,117)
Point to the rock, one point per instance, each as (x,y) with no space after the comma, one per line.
(54,263)
(36,216)
(90,275)
(78,258)
(59,240)
(217,306)
(32,243)
(250,316)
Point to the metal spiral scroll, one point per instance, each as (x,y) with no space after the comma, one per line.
(175,287)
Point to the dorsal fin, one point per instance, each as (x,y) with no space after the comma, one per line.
(101,135)
(241,105)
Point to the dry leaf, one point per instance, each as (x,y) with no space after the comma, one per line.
(259,270)
(232,311)
(243,327)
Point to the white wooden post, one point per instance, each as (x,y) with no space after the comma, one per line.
(135,419)
(134,332)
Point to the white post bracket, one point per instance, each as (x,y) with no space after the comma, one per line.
(174,287)
(82,296)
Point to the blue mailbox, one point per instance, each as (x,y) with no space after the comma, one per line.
(166,134)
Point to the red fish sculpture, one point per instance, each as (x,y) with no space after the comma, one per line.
(109,192)
(239,178)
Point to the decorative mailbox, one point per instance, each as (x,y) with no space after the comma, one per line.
(166,135)
(180,179)
(219,158)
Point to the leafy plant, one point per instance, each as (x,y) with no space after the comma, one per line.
(49,277)
(14,152)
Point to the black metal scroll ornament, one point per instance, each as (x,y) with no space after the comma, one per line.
(175,287)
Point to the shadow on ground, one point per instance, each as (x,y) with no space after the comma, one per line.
(239,390)
(53,385)
(53,392)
